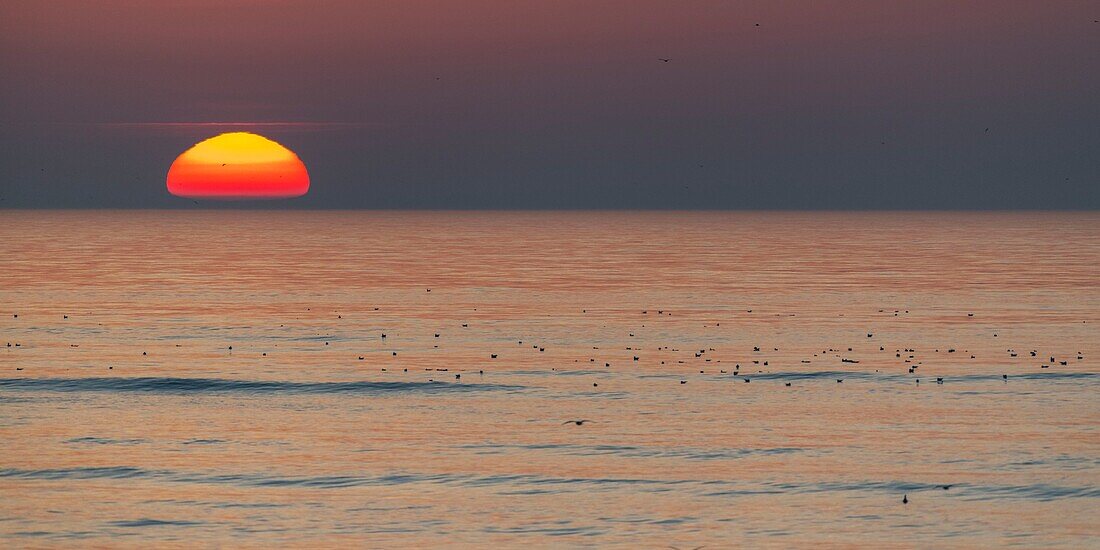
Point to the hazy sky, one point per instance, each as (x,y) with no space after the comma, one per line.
(563,104)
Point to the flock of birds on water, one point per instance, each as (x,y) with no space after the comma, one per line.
(908,358)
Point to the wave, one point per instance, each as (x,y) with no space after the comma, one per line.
(104,441)
(220,385)
(629,451)
(150,522)
(512,482)
(864,375)
(966,491)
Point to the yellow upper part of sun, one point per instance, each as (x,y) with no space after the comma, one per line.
(237,148)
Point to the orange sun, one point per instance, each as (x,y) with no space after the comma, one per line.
(238,165)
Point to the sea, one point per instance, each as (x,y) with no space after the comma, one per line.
(607,379)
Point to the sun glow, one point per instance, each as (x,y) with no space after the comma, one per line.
(238,165)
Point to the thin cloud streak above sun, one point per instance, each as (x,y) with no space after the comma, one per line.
(235,124)
(176,126)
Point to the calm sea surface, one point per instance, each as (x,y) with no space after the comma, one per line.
(402,379)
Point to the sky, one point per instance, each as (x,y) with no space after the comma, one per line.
(518,104)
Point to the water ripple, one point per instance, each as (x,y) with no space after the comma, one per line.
(149,522)
(104,441)
(634,451)
(863,375)
(511,482)
(220,385)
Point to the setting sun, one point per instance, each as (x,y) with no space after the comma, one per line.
(238,165)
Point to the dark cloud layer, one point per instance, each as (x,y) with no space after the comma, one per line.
(563,104)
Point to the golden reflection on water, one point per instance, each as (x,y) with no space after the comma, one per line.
(132,421)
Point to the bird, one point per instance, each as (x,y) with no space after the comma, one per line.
(663,59)
(905,499)
(577,422)
(788,384)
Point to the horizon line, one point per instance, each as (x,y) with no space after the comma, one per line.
(258,208)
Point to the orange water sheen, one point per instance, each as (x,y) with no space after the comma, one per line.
(715,461)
